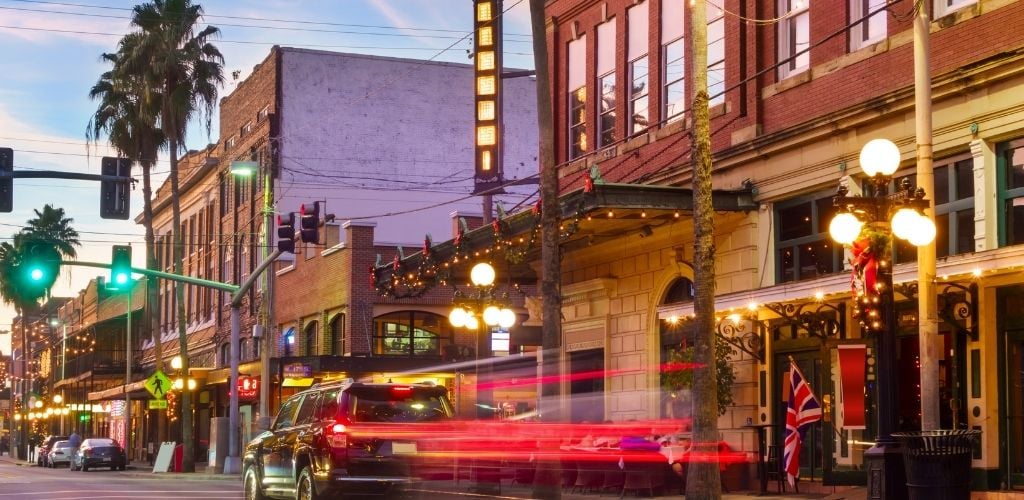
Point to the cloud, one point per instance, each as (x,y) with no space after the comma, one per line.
(58,25)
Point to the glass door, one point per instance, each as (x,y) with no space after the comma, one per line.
(1013,389)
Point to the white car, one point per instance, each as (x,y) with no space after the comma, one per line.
(60,454)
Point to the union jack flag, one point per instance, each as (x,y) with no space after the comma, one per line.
(803,410)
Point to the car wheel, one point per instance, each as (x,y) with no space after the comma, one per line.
(253,491)
(306,489)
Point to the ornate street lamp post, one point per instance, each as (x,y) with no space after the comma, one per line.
(866,224)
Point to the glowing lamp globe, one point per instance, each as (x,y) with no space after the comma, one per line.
(904,222)
(492,315)
(176,363)
(507,318)
(482,274)
(36,274)
(879,156)
(924,232)
(472,323)
(57,398)
(458,317)
(38,404)
(845,228)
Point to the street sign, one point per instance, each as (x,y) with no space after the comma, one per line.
(297,370)
(158,384)
(157,404)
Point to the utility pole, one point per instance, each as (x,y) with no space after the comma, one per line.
(267,303)
(703,479)
(128,378)
(927,301)
(550,356)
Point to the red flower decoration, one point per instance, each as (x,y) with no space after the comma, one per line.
(536,208)
(588,184)
(865,263)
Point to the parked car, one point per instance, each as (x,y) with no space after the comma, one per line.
(44,449)
(344,437)
(99,452)
(60,454)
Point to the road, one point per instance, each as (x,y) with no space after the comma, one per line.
(32,483)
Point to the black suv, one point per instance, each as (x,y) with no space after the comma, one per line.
(345,437)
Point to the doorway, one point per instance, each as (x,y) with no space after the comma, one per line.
(1011,385)
(586,387)
(814,447)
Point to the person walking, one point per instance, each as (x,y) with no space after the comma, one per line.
(75,441)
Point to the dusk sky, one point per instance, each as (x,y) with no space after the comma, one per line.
(49,58)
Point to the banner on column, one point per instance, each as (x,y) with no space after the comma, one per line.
(852,360)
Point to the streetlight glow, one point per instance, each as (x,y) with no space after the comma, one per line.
(492,315)
(458,317)
(57,399)
(879,157)
(176,363)
(845,228)
(507,318)
(482,274)
(923,233)
(904,222)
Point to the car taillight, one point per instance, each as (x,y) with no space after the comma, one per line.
(337,435)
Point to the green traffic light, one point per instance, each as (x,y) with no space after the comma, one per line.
(36,274)
(121,278)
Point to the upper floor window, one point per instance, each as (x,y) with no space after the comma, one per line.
(246,129)
(606,82)
(943,7)
(577,97)
(794,37)
(716,54)
(637,17)
(674,63)
(954,208)
(263,113)
(804,249)
(411,333)
(230,143)
(1010,168)
(871,28)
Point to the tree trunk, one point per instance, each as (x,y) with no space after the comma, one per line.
(703,480)
(548,484)
(153,287)
(188,463)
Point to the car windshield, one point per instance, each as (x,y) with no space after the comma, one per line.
(398,404)
(62,444)
(99,442)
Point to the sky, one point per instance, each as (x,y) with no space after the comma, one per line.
(50,57)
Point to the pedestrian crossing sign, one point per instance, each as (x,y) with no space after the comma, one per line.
(158,384)
(157,404)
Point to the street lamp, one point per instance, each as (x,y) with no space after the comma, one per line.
(866,224)
(481,306)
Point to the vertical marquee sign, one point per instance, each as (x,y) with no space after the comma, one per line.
(487,85)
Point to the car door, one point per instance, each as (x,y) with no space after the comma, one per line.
(295,439)
(276,470)
(320,427)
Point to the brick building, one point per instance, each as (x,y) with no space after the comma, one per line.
(793,99)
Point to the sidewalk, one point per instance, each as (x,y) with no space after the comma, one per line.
(145,470)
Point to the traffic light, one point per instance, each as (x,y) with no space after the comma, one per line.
(309,218)
(6,183)
(120,266)
(114,195)
(286,232)
(38,269)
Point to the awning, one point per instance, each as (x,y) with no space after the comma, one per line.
(136,389)
(621,209)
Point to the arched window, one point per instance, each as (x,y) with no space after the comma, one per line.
(243,350)
(411,333)
(680,291)
(309,334)
(337,335)
(225,355)
(288,341)
(672,336)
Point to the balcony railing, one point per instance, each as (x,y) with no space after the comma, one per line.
(98,362)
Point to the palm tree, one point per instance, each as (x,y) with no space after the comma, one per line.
(703,481)
(182,71)
(131,129)
(49,230)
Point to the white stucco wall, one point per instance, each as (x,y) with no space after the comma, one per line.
(374,135)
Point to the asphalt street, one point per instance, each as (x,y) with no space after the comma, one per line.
(29,483)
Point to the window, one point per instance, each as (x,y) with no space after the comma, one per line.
(309,333)
(577,97)
(329,405)
(225,355)
(954,205)
(870,29)
(263,113)
(411,333)
(288,341)
(307,410)
(1010,168)
(943,7)
(337,326)
(286,416)
(246,129)
(804,249)
(638,69)
(224,184)
(230,143)
(673,55)
(716,55)
(794,37)
(606,82)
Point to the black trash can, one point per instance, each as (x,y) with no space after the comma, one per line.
(938,463)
